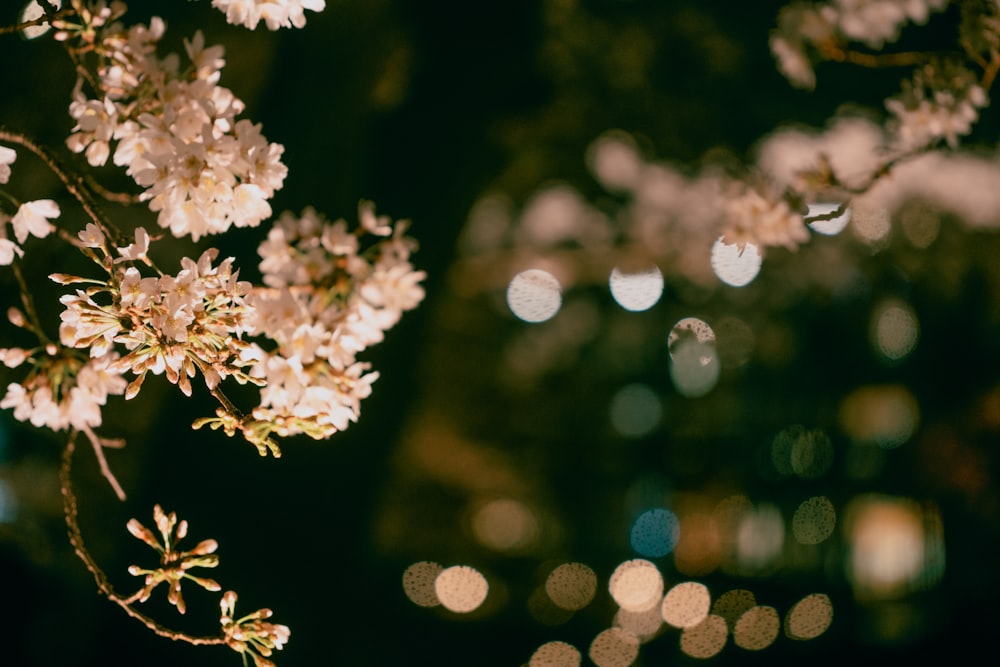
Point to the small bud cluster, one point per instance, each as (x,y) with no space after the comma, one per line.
(174,565)
(251,634)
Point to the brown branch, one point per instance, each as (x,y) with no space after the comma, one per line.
(71,514)
(832,215)
(838,53)
(41,20)
(75,185)
(98,446)
(28,302)
(990,71)
(110,195)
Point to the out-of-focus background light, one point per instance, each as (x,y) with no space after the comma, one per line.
(614,647)
(736,266)
(534,295)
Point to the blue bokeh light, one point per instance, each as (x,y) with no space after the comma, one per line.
(655,533)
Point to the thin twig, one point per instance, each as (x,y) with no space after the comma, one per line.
(990,71)
(110,195)
(41,20)
(902,59)
(98,446)
(71,514)
(28,302)
(75,185)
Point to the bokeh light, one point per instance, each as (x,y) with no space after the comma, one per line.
(614,647)
(33,10)
(806,453)
(636,585)
(636,291)
(699,552)
(760,538)
(506,525)
(882,415)
(809,617)
(814,520)
(894,548)
(871,223)
(757,628)
(645,625)
(689,329)
(728,514)
(706,639)
(733,266)
(694,361)
(418,583)
(615,161)
(544,610)
(686,605)
(571,586)
(833,225)
(636,410)
(461,588)
(732,604)
(735,342)
(894,330)
(487,224)
(655,533)
(555,654)
(534,295)
(694,368)
(554,214)
(920,224)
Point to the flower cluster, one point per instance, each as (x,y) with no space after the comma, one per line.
(251,634)
(174,565)
(275,13)
(807,32)
(176,132)
(328,293)
(64,390)
(170,324)
(755,218)
(327,299)
(941,101)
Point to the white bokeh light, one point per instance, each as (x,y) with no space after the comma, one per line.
(834,224)
(734,266)
(636,291)
(636,585)
(534,295)
(461,588)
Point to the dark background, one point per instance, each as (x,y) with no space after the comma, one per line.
(423,107)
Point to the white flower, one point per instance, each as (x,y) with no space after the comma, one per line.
(275,13)
(91,236)
(136,251)
(761,221)
(793,62)
(12,357)
(379,226)
(33,218)
(7,157)
(7,251)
